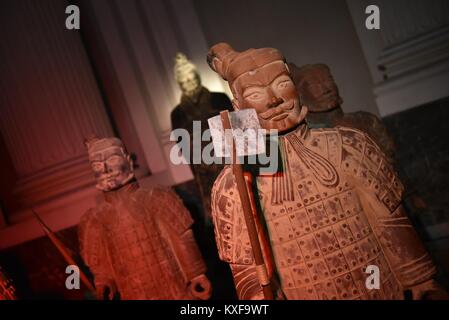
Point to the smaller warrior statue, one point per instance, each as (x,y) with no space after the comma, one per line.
(138,242)
(318,90)
(197,104)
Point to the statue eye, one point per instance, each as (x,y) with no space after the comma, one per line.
(114,159)
(284,84)
(254,96)
(97,166)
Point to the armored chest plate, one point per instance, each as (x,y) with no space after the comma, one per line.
(321,238)
(142,259)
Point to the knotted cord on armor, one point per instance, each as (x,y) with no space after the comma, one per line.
(321,168)
(282,181)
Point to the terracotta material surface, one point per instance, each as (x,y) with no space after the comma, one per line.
(334,209)
(259,79)
(138,242)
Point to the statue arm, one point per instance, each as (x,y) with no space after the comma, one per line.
(177,223)
(232,237)
(246,282)
(383,137)
(381,195)
(93,249)
(400,243)
(188,255)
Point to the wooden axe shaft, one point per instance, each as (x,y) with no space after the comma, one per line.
(248,214)
(64,251)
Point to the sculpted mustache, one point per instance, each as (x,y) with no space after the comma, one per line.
(109,176)
(276,111)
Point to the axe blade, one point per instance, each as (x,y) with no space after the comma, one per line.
(246,131)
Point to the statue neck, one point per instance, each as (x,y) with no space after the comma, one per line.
(301,131)
(121,193)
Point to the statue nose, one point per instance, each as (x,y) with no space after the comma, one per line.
(275,101)
(106,168)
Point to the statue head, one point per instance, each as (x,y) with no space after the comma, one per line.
(259,79)
(110,162)
(187,76)
(316,87)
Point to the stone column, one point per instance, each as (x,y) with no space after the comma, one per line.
(49,102)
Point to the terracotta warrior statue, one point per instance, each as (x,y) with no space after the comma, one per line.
(138,242)
(197,104)
(333,211)
(317,89)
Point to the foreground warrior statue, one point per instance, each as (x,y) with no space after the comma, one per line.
(138,242)
(319,92)
(197,104)
(333,211)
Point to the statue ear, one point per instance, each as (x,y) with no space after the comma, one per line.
(130,161)
(303,112)
(235,104)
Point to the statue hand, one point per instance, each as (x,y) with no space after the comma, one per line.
(200,287)
(108,287)
(429,290)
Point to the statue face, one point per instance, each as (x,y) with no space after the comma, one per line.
(270,91)
(319,91)
(112,168)
(189,82)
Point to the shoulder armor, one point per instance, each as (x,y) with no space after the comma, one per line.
(229,223)
(166,206)
(361,157)
(90,235)
(327,142)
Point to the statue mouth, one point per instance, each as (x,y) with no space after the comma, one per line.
(278,113)
(110,177)
(280,117)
